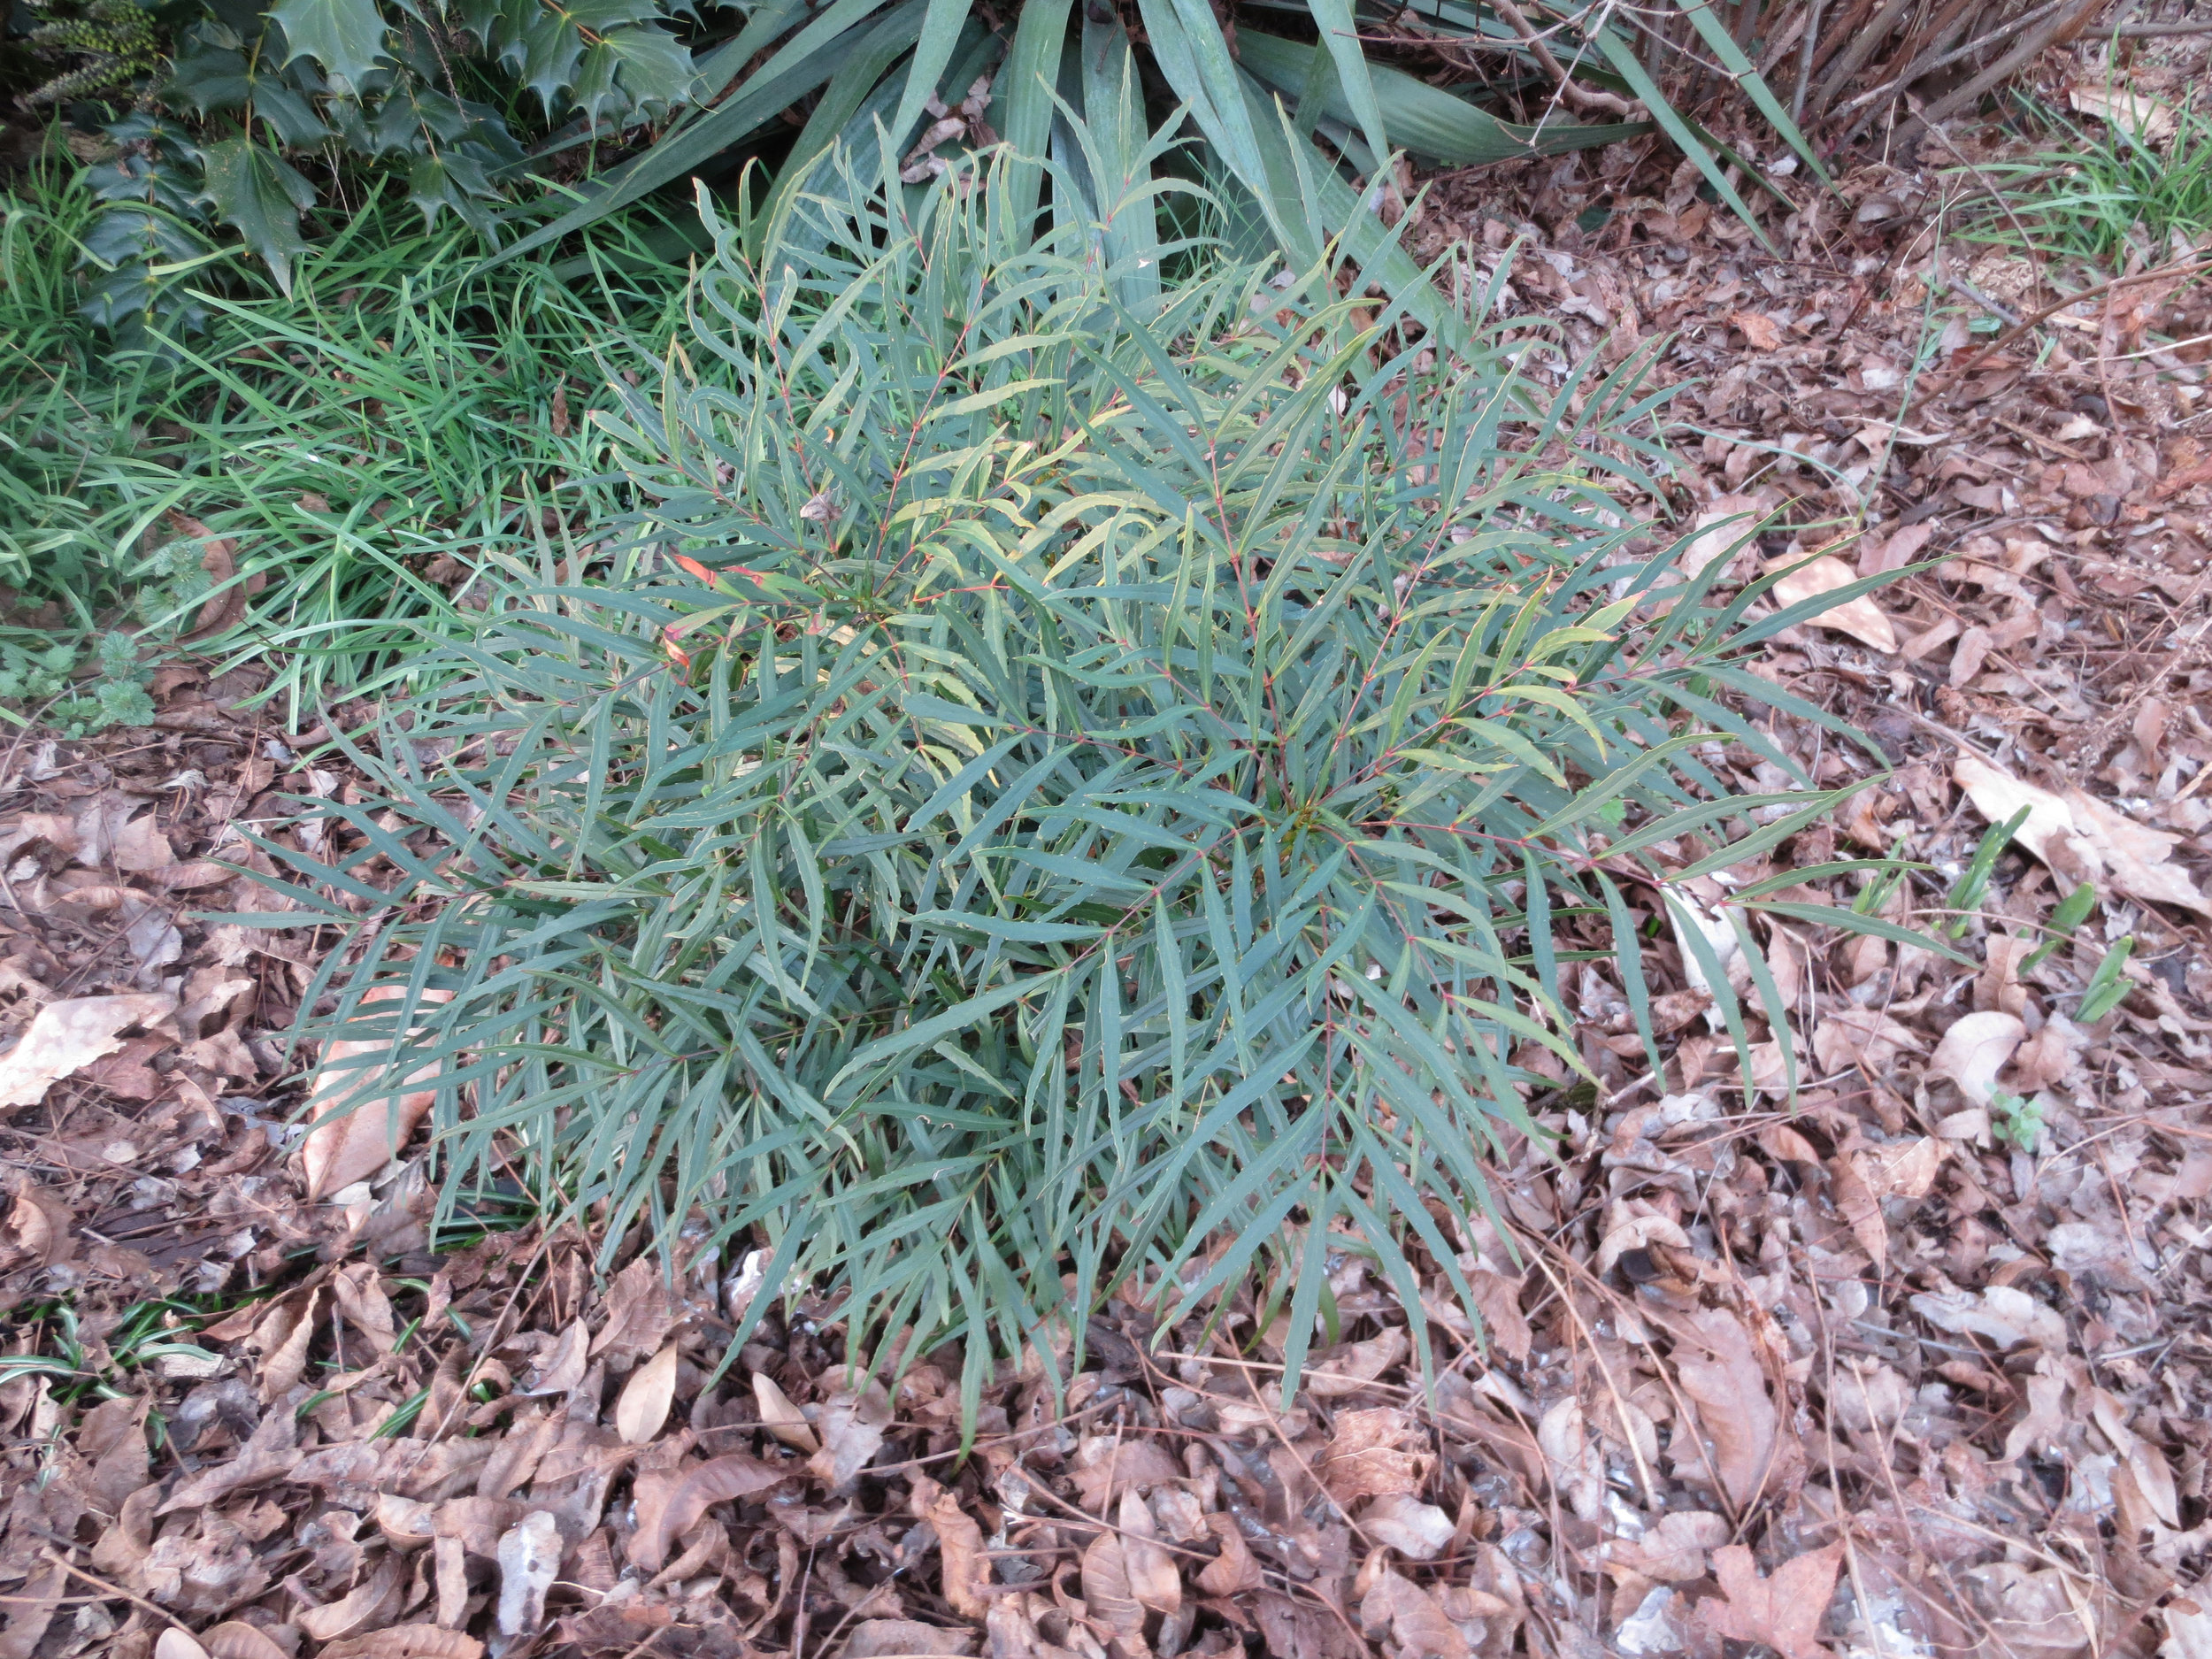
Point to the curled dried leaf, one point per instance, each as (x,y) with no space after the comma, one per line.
(357,1126)
(1153,1578)
(780,1417)
(1112,1606)
(235,1639)
(736,1476)
(646,1397)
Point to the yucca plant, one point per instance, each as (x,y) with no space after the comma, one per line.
(941,75)
(1078,791)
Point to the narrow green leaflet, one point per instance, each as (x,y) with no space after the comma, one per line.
(1120,838)
(941,25)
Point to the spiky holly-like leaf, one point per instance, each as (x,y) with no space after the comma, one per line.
(261,196)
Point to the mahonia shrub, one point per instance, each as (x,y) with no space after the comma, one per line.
(1076,790)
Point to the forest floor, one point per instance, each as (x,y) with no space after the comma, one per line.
(1917,1362)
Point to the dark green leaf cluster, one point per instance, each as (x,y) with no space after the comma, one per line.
(1089,800)
(285,104)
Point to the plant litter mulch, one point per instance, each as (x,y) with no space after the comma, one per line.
(1905,1355)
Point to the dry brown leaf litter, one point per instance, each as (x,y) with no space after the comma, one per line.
(1848,1376)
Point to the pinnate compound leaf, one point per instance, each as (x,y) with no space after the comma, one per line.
(976,984)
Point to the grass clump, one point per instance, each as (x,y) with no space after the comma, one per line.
(360,448)
(2103,191)
(1082,795)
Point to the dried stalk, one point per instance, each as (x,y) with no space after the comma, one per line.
(2058,31)
(1939,58)
(1581,97)
(1856,51)
(1805,62)
(1937,55)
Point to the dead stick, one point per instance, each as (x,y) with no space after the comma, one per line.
(115,1590)
(2195,263)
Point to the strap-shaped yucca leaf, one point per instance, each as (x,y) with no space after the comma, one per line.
(882,66)
(1087,801)
(1430,123)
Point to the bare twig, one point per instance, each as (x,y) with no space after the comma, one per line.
(1805,62)
(2192,265)
(2055,32)
(1581,97)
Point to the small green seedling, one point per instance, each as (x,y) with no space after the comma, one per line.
(2072,910)
(1972,886)
(2015,1120)
(1876,894)
(2108,985)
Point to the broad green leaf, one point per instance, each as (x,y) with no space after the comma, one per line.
(1423,118)
(259,195)
(1340,34)
(345,37)
(941,25)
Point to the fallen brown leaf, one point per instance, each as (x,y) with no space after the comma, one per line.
(67,1035)
(959,1546)
(646,1397)
(236,1639)
(1416,1530)
(562,1368)
(1726,1384)
(39,1225)
(2081,838)
(851,1425)
(901,1638)
(1759,329)
(356,1130)
(780,1417)
(406,1641)
(529,1556)
(1975,1047)
(735,1475)
(1233,1571)
(1783,1612)
(1396,1607)
(365,1604)
(1106,1465)
(1112,1605)
(1347,1370)
(1859,616)
(1153,1577)
(1372,1452)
